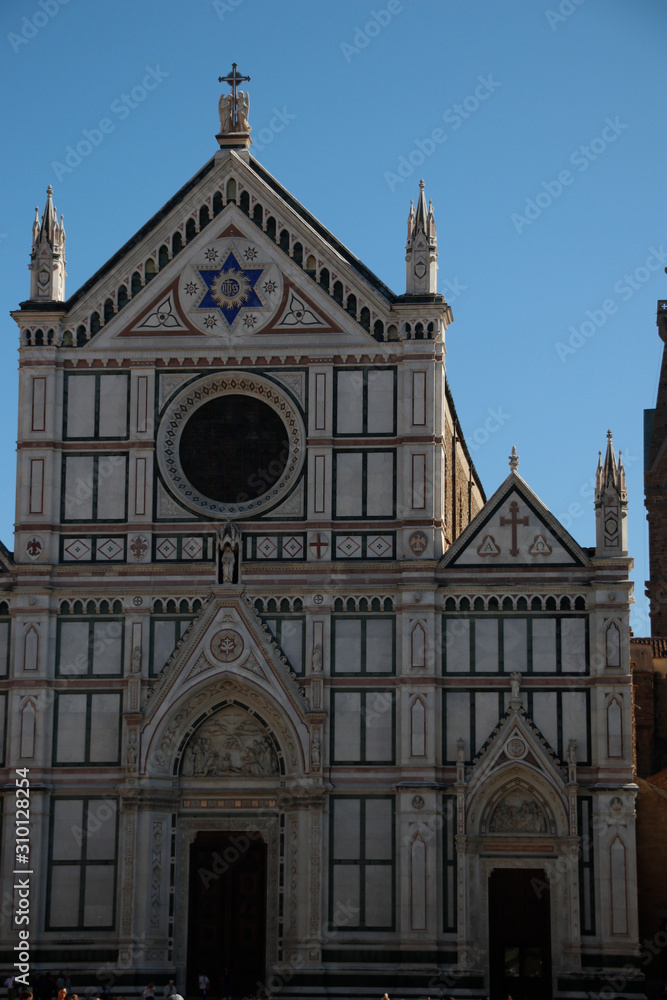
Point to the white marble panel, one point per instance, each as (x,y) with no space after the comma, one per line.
(347,725)
(81,405)
(113,406)
(104,724)
(380,402)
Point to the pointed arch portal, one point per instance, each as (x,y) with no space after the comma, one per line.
(520,933)
(227,911)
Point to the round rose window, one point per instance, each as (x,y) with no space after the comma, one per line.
(234,448)
(231,445)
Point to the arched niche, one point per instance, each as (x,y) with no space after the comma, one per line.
(233,742)
(519,804)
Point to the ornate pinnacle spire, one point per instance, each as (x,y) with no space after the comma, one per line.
(610,475)
(421,248)
(611,503)
(47,259)
(514,460)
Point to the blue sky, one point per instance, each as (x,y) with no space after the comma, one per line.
(538,128)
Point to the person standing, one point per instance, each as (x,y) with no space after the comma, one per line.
(203,985)
(10,983)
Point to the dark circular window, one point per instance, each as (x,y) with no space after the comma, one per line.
(233,448)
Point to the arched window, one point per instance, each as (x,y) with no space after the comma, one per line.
(351,305)
(217,203)
(163,257)
(258,215)
(231,190)
(122,297)
(149,269)
(95,323)
(190,230)
(108,310)
(176,244)
(284,240)
(365,319)
(271,228)
(244,202)
(297,254)
(378,329)
(135,285)
(324,279)
(204,217)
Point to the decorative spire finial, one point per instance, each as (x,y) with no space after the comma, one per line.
(611,502)
(421,248)
(514,460)
(233,111)
(47,258)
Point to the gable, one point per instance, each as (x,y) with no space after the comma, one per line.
(514,529)
(231,285)
(231,225)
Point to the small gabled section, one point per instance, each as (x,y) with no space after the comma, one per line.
(228,636)
(516,785)
(514,530)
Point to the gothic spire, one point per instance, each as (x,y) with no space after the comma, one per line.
(421,248)
(47,258)
(611,503)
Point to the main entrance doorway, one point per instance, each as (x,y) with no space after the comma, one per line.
(520,934)
(227,912)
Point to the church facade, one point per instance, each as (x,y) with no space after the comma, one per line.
(293,698)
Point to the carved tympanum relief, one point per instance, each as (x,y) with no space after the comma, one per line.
(517,813)
(231,743)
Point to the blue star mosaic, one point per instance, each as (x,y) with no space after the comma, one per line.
(231,289)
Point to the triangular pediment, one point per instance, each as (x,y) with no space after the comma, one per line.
(227,638)
(232,281)
(516,739)
(514,529)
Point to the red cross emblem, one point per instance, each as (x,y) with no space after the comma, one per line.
(319,544)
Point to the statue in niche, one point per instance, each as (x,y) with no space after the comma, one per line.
(232,743)
(515,683)
(316,659)
(315,754)
(135,660)
(132,750)
(518,814)
(229,553)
